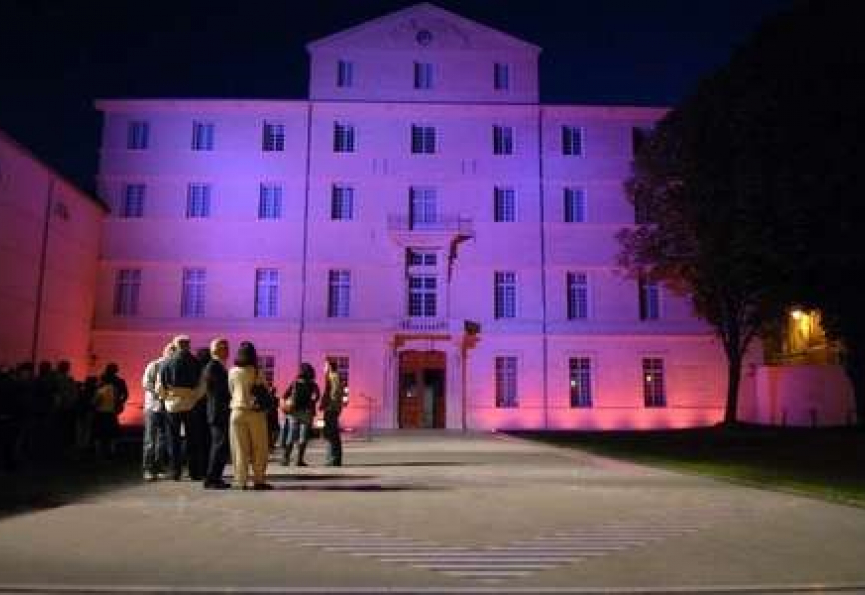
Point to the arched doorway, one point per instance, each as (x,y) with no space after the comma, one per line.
(422,389)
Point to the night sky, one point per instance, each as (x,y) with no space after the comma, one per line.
(58,56)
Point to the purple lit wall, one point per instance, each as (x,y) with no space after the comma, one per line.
(535,245)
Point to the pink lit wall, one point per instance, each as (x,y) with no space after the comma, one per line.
(803,395)
(30,192)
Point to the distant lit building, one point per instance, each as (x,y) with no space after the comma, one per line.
(423,219)
(802,383)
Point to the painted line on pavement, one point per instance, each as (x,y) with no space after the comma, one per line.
(754,589)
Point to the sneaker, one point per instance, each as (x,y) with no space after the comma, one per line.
(261,486)
(301,464)
(150,476)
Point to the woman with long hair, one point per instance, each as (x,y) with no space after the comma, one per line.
(248,425)
(299,406)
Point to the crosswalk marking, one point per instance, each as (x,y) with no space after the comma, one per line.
(487,564)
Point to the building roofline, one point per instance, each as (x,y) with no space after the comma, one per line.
(5,137)
(121,104)
(112,103)
(317,43)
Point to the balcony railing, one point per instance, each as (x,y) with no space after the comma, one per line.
(443,223)
(423,324)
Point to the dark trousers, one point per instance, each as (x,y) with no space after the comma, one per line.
(219,452)
(155,443)
(195,445)
(199,412)
(331,434)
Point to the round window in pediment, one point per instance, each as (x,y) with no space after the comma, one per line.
(424,36)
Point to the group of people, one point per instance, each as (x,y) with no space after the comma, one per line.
(45,413)
(201,411)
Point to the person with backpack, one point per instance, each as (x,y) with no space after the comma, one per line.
(299,404)
(180,390)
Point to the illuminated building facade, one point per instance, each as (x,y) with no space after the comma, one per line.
(423,218)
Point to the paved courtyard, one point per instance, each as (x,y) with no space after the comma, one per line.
(441,513)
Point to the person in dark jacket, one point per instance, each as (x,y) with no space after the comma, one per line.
(41,434)
(12,412)
(199,413)
(112,376)
(179,386)
(218,399)
(299,404)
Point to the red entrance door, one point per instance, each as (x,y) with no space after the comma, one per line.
(422,389)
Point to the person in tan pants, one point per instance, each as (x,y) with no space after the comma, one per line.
(248,425)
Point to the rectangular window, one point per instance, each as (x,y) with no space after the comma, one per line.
(650,306)
(505,298)
(506,383)
(580,381)
(268,367)
(342,368)
(654,393)
(198,201)
(423,139)
(423,75)
(339,286)
(422,296)
(273,137)
(127,284)
(132,205)
(137,135)
(501,77)
(422,258)
(192,296)
(503,140)
(423,207)
(341,203)
(202,136)
(575,205)
(343,138)
(572,140)
(266,293)
(578,296)
(344,74)
(504,205)
(270,201)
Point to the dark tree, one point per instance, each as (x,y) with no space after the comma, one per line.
(701,226)
(754,186)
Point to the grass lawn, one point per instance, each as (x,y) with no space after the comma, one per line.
(825,463)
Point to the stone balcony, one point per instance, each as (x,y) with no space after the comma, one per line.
(444,230)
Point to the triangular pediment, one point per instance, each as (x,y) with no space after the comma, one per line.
(422,26)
